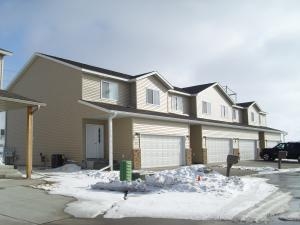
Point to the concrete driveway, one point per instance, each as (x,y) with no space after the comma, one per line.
(21,204)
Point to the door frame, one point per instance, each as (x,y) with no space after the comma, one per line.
(105,135)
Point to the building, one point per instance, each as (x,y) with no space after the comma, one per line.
(93,113)
(3,53)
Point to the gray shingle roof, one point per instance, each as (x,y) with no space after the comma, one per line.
(245,104)
(168,115)
(6,94)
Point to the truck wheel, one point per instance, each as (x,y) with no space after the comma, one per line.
(266,157)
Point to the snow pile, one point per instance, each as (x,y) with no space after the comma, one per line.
(292,216)
(184,179)
(69,168)
(184,193)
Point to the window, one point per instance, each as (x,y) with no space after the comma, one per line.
(252,117)
(234,114)
(109,90)
(206,108)
(152,97)
(176,104)
(224,111)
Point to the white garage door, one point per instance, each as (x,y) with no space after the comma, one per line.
(247,149)
(271,144)
(161,151)
(218,149)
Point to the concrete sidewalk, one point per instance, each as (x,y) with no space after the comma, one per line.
(22,204)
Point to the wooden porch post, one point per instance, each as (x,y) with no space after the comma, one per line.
(29,141)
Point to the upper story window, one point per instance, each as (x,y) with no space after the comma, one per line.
(206,108)
(252,117)
(235,114)
(152,97)
(224,111)
(176,103)
(109,90)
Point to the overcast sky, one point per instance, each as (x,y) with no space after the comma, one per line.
(251,46)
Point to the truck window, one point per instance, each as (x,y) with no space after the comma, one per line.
(280,146)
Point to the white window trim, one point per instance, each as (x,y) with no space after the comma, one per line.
(152,89)
(208,112)
(252,117)
(176,109)
(235,113)
(101,88)
(226,114)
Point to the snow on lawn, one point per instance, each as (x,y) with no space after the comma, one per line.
(291,216)
(183,193)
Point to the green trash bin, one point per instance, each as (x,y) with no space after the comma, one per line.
(126,170)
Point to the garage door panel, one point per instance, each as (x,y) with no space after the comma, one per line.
(161,151)
(271,144)
(247,149)
(218,149)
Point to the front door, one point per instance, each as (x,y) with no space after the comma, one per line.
(94,141)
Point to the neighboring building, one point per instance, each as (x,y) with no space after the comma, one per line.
(154,123)
(3,53)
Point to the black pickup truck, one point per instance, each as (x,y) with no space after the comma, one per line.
(293,149)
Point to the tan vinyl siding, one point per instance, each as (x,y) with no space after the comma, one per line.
(185,104)
(91,90)
(133,94)
(220,132)
(196,143)
(123,138)
(58,127)
(154,83)
(216,99)
(256,116)
(157,127)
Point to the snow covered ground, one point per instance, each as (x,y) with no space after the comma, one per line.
(184,193)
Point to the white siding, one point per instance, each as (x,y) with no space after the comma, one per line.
(253,109)
(263,120)
(220,132)
(272,137)
(239,116)
(91,90)
(185,104)
(156,127)
(154,83)
(216,99)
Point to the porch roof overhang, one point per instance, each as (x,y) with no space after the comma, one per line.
(123,111)
(10,101)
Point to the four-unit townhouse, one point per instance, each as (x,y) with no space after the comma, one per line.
(94,114)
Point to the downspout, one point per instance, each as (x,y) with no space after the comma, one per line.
(110,139)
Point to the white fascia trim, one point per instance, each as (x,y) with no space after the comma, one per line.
(191,121)
(3,52)
(94,106)
(157,74)
(13,100)
(236,106)
(224,92)
(180,93)
(104,75)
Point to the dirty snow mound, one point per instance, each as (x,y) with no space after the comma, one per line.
(67,168)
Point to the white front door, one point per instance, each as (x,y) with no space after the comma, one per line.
(218,149)
(94,141)
(161,151)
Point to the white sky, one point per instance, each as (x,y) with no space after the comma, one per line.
(251,46)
